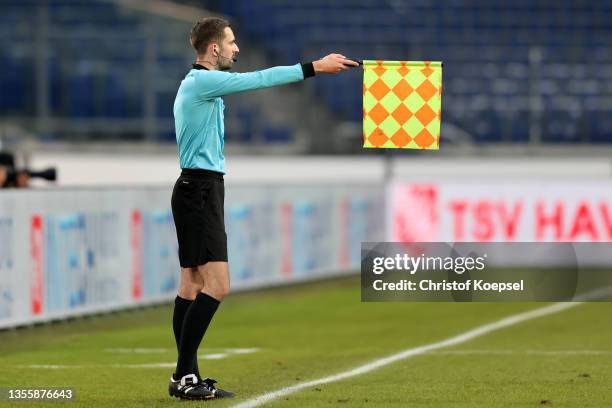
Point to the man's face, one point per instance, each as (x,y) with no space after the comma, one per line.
(228,50)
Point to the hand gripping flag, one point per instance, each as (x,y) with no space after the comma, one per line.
(402,104)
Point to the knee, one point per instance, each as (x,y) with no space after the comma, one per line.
(189,290)
(219,292)
(225,291)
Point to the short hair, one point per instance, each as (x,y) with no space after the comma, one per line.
(206,31)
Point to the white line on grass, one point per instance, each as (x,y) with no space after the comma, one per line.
(214,356)
(381,362)
(149,365)
(49,366)
(137,350)
(210,356)
(243,350)
(224,351)
(466,352)
(554,353)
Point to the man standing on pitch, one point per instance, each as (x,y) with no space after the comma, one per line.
(198,195)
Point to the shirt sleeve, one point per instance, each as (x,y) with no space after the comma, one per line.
(212,84)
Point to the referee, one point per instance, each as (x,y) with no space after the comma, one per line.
(198,195)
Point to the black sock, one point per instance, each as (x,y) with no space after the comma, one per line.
(196,321)
(180,308)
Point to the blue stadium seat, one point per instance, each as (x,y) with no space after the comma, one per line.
(485,45)
(275,134)
(489,76)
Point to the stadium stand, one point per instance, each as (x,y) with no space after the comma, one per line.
(514,70)
(507,63)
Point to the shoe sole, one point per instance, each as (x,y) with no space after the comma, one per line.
(185,397)
(190,398)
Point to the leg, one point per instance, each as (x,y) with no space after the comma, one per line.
(190,285)
(215,276)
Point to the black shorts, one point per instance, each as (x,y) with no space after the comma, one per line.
(197,208)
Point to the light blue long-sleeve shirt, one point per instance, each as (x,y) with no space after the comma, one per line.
(198,110)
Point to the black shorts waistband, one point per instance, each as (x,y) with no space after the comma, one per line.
(201,173)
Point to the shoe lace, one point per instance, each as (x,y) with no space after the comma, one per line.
(209,383)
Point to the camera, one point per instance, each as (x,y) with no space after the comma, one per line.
(16,177)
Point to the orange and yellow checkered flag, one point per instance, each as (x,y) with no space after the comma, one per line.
(401,104)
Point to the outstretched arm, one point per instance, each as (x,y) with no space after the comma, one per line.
(220,83)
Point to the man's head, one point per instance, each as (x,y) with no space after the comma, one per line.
(214,42)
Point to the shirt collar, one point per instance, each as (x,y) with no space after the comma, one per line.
(198,66)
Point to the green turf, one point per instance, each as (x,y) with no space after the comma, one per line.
(313,330)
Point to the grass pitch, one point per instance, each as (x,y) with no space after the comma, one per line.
(314,330)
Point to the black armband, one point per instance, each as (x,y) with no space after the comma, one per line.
(308,70)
